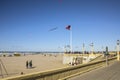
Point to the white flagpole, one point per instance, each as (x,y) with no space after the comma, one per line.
(71,40)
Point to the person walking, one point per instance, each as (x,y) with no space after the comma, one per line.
(30,64)
(27,64)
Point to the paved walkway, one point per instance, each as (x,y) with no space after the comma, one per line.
(111,72)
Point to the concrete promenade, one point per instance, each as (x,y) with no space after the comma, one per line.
(111,72)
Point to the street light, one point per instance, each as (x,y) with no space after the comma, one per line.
(83,48)
(106,54)
(92,49)
(118,55)
(118,42)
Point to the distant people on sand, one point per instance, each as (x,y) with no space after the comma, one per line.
(29,64)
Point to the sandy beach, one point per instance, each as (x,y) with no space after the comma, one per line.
(15,65)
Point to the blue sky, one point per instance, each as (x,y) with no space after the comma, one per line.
(25,24)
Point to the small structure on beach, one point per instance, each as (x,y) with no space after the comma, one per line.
(77,58)
(72,59)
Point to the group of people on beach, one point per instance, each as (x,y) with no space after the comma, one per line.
(29,64)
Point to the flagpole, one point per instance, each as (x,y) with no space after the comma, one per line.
(71,40)
(69,28)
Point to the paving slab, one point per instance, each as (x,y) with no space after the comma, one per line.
(111,72)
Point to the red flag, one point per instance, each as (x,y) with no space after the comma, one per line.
(68,27)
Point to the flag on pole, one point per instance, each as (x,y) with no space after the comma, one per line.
(68,27)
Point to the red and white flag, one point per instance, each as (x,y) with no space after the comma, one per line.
(68,27)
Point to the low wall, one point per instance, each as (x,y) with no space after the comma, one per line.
(59,73)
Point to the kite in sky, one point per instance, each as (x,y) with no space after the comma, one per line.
(53,29)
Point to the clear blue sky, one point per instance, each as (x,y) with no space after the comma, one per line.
(25,24)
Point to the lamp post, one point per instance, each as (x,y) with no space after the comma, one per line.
(92,48)
(107,53)
(118,55)
(83,49)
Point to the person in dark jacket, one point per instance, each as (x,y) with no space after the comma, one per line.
(30,64)
(27,64)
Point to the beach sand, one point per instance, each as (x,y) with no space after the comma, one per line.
(15,65)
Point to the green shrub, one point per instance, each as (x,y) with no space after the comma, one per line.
(17,55)
(4,55)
